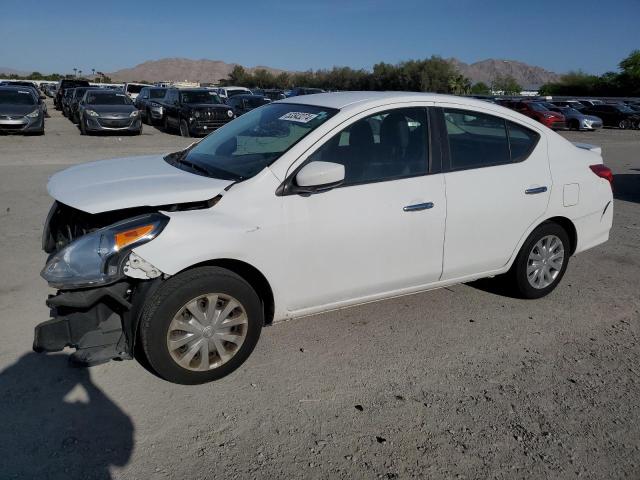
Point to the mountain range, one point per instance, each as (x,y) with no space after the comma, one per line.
(183,69)
(212,71)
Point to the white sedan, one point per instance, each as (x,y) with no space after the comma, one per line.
(306,205)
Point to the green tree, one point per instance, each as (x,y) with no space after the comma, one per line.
(506,84)
(480,88)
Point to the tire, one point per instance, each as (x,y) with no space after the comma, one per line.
(518,279)
(167,305)
(139,131)
(149,118)
(83,128)
(574,125)
(184,129)
(623,124)
(166,126)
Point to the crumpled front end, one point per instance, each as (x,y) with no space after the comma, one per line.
(96,307)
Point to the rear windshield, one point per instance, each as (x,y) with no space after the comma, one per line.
(108,99)
(16,97)
(132,88)
(202,96)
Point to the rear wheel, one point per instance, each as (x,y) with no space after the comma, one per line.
(574,125)
(200,325)
(541,262)
(184,129)
(623,124)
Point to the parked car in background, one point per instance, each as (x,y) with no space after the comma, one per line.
(77,95)
(132,89)
(20,111)
(104,110)
(227,92)
(285,212)
(274,94)
(242,104)
(576,120)
(148,97)
(619,116)
(194,111)
(33,88)
(65,101)
(542,114)
(303,91)
(63,86)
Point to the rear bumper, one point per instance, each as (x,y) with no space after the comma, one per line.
(594,229)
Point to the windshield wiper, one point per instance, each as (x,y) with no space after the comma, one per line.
(212,172)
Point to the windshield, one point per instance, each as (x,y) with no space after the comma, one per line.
(107,99)
(78,92)
(245,146)
(16,97)
(157,93)
(624,108)
(201,96)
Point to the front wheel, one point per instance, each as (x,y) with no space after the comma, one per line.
(623,124)
(541,262)
(200,325)
(184,129)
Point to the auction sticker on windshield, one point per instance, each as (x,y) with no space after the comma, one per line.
(300,117)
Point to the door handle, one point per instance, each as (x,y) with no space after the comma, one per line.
(534,190)
(417,207)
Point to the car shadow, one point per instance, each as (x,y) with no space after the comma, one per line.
(626,186)
(496,286)
(56,423)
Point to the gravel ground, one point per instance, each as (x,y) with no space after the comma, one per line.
(455,383)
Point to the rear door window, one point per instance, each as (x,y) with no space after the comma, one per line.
(476,139)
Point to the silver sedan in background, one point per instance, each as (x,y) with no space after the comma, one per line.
(577,120)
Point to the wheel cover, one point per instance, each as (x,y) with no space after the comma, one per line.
(545,261)
(207,332)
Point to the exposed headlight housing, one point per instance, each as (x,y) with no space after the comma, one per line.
(34,114)
(92,113)
(98,257)
(134,113)
(230,113)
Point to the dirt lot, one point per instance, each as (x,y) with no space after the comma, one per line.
(454,383)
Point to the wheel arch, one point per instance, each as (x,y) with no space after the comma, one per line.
(252,275)
(569,227)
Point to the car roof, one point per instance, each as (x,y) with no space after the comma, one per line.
(343,100)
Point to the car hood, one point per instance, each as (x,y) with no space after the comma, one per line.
(108,185)
(17,109)
(104,109)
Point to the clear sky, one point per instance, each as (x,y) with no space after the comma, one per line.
(560,35)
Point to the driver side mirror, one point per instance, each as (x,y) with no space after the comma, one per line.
(319,176)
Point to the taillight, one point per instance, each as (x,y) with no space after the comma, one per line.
(603,172)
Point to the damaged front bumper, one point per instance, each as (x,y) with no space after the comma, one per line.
(100,323)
